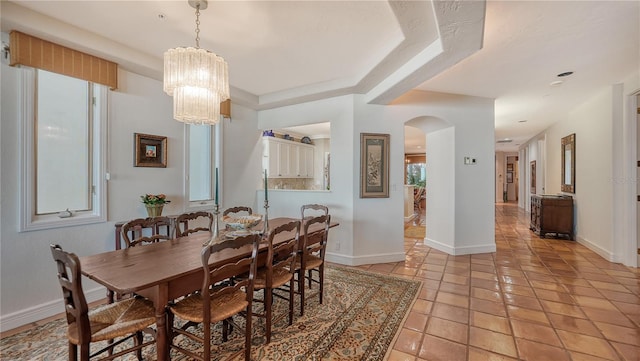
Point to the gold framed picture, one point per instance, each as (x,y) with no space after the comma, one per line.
(374,165)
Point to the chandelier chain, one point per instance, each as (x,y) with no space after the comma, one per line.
(198,26)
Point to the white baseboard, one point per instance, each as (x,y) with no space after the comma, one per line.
(597,249)
(44,310)
(367,259)
(457,251)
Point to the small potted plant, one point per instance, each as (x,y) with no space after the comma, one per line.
(154,203)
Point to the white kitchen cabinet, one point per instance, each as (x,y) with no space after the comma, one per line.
(287,159)
(305,161)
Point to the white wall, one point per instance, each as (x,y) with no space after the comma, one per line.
(241,158)
(473,119)
(605,169)
(591,122)
(441,194)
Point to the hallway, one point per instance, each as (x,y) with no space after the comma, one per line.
(533,299)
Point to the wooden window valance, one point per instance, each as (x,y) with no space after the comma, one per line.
(225,108)
(41,54)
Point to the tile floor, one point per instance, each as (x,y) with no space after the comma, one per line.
(534,299)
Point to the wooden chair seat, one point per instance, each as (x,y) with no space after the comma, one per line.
(280,276)
(116,319)
(312,261)
(222,307)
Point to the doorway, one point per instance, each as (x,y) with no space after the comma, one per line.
(512,178)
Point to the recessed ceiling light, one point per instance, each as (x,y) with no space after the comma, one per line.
(162,16)
(556,83)
(566,73)
(522,121)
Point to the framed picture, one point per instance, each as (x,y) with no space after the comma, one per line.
(509,177)
(374,165)
(149,150)
(533,177)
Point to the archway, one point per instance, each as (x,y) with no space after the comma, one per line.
(439,187)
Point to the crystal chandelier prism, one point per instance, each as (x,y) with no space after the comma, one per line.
(197,79)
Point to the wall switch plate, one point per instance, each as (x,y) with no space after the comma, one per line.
(469,161)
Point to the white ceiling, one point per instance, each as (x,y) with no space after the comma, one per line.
(286,52)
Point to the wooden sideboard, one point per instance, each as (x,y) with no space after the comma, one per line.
(552,214)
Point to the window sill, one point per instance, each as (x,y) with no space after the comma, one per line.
(53,221)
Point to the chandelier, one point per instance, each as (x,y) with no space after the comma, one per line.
(197,79)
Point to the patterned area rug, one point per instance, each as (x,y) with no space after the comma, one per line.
(414,232)
(358,320)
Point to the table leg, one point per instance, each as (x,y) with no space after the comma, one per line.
(162,341)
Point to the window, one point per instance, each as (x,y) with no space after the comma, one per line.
(63,137)
(417,174)
(202,159)
(416,169)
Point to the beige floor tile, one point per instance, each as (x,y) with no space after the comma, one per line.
(492,341)
(587,344)
(422,306)
(620,334)
(457,314)
(492,307)
(628,352)
(490,322)
(408,341)
(562,308)
(416,321)
(450,330)
(522,301)
(486,294)
(606,316)
(453,299)
(534,351)
(438,349)
(577,325)
(476,354)
(535,332)
(396,355)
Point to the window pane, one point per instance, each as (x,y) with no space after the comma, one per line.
(200,163)
(417,174)
(63,174)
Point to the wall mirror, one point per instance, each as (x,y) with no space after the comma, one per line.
(568,150)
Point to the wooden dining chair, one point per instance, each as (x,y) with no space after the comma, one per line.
(233,210)
(188,223)
(312,252)
(315,209)
(133,235)
(417,198)
(277,272)
(218,301)
(123,320)
(237,210)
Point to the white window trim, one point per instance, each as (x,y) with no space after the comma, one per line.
(29,221)
(194,206)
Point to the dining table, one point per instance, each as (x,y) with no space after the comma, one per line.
(165,271)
